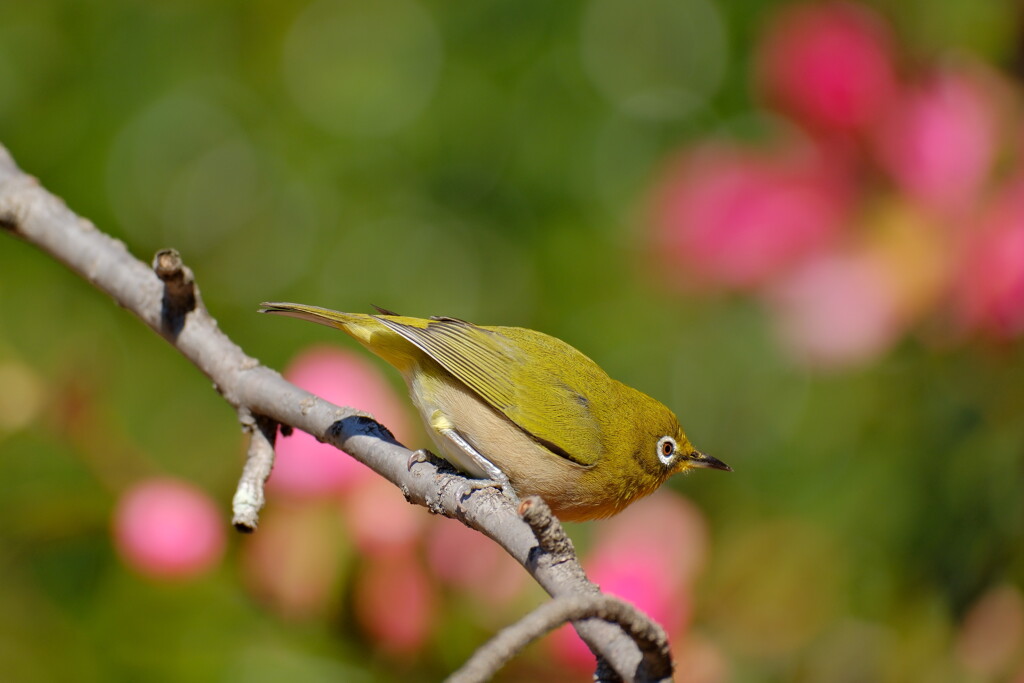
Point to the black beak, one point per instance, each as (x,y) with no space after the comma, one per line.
(698,459)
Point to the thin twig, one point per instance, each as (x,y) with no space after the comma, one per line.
(249,498)
(651,639)
(31,213)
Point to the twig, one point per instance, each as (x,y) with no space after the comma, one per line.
(249,498)
(168,301)
(488,659)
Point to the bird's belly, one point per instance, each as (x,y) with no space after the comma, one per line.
(531,468)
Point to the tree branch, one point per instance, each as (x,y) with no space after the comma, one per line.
(487,660)
(166,299)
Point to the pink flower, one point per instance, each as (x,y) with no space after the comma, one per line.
(395,604)
(990,284)
(938,141)
(466,559)
(649,555)
(665,524)
(295,562)
(168,528)
(828,64)
(307,467)
(837,310)
(380,520)
(735,218)
(992,633)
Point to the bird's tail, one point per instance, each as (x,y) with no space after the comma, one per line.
(364,328)
(324,316)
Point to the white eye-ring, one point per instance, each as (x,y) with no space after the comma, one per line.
(666,450)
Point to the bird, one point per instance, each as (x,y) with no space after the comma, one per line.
(525,410)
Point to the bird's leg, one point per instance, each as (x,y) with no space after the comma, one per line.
(483,463)
(495,477)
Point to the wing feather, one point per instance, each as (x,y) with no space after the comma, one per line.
(526,375)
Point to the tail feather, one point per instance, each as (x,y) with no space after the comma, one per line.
(368,330)
(315,314)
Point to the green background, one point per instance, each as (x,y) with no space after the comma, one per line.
(489,161)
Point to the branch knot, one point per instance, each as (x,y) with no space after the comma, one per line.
(179,298)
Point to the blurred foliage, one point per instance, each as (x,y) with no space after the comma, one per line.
(491,161)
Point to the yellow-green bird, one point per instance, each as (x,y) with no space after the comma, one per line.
(525,409)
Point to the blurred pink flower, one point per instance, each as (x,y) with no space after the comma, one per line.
(649,555)
(939,139)
(700,660)
(380,520)
(297,559)
(396,604)
(168,528)
(990,285)
(466,559)
(837,310)
(736,218)
(991,636)
(306,467)
(828,64)
(665,523)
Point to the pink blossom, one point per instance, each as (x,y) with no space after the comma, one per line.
(664,522)
(837,310)
(466,559)
(307,467)
(649,555)
(829,64)
(168,528)
(938,141)
(701,660)
(990,284)
(992,633)
(395,604)
(380,520)
(735,218)
(296,560)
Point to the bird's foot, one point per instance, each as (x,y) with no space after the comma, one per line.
(503,485)
(423,455)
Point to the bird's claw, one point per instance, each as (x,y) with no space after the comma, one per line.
(423,455)
(480,484)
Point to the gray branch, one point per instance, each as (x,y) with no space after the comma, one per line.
(166,299)
(656,665)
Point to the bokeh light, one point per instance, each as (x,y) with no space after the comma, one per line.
(938,140)
(362,69)
(297,562)
(168,529)
(655,58)
(22,397)
(830,64)
(736,219)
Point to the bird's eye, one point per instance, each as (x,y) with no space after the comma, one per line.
(666,449)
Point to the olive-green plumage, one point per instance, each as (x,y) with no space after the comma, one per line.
(546,416)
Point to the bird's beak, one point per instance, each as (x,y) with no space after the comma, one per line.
(698,459)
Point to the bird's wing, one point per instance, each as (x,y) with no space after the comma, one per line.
(522,377)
